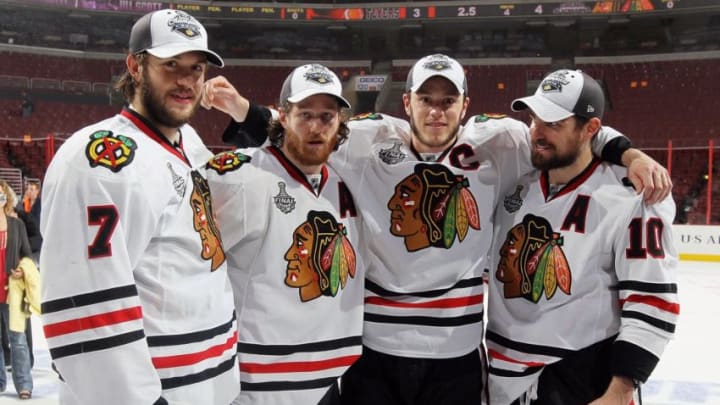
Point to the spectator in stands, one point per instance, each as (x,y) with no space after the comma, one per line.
(14,245)
(130,241)
(26,107)
(30,203)
(33,233)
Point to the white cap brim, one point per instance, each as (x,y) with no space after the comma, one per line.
(302,95)
(543,108)
(171,50)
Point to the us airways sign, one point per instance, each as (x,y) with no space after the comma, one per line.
(697,242)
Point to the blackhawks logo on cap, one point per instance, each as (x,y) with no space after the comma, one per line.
(318,74)
(184,24)
(227,161)
(109,150)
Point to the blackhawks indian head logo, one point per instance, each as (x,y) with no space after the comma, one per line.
(320,258)
(204,222)
(532,261)
(431,207)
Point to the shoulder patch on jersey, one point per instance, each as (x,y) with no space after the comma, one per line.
(109,150)
(392,155)
(514,201)
(367,116)
(488,116)
(532,261)
(320,258)
(284,201)
(227,161)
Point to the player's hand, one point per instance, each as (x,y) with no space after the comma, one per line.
(649,177)
(218,93)
(619,392)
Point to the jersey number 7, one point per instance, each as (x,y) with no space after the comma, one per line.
(106,218)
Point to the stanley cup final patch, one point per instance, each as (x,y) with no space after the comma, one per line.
(284,201)
(392,155)
(109,150)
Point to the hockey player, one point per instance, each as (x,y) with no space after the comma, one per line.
(290,229)
(582,296)
(426,190)
(137,307)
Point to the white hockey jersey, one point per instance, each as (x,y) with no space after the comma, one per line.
(298,281)
(574,269)
(137,306)
(431,225)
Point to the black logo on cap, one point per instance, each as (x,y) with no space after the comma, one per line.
(185,25)
(318,74)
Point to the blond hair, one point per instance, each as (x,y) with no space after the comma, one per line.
(11,197)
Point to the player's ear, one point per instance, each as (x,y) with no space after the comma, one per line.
(593,126)
(133,66)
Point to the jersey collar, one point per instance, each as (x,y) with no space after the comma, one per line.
(296,173)
(153,133)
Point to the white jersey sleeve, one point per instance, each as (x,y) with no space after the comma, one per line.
(645,265)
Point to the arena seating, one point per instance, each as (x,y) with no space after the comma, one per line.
(652,102)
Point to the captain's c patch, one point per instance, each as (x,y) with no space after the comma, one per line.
(109,150)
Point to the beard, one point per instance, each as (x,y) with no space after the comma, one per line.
(154,105)
(556,160)
(301,153)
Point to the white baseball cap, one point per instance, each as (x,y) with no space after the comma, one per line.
(309,80)
(562,94)
(436,65)
(167,33)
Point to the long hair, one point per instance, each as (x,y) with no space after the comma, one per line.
(125,83)
(276,132)
(11,197)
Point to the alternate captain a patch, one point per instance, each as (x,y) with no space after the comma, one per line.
(532,261)
(227,162)
(109,150)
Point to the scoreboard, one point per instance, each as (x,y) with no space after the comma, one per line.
(388,13)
